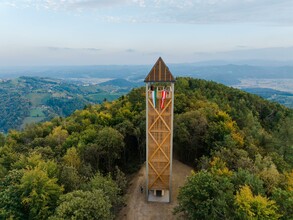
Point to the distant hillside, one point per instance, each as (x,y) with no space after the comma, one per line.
(33,99)
(266,92)
(121,83)
(284,98)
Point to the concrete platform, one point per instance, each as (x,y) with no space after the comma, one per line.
(163,198)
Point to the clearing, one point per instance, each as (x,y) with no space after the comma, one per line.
(139,209)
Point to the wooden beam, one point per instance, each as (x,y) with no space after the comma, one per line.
(159,176)
(159,146)
(159,114)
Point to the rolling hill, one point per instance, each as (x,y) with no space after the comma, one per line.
(33,99)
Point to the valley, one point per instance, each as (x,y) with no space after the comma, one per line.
(26,100)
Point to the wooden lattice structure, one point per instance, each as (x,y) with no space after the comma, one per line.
(159,132)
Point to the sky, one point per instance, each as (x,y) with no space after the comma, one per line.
(126,32)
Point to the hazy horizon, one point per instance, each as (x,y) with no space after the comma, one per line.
(204,62)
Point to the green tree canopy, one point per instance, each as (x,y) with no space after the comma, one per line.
(255,207)
(206,196)
(80,205)
(40,193)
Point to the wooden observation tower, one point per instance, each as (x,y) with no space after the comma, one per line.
(159,132)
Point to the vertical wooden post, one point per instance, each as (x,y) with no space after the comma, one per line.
(171,142)
(147,122)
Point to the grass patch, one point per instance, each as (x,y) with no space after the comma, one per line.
(38,98)
(101,96)
(37,112)
(59,95)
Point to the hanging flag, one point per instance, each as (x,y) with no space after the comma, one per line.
(164,93)
(154,97)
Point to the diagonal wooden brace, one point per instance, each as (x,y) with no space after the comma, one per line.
(159,115)
(159,175)
(159,146)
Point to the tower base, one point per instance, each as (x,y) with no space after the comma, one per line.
(159,196)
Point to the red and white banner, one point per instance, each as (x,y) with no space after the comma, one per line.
(164,94)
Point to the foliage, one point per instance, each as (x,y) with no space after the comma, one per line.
(2,139)
(102,147)
(81,205)
(244,177)
(71,158)
(206,196)
(39,193)
(255,207)
(107,185)
(10,196)
(13,108)
(70,178)
(120,180)
(190,130)
(284,200)
(227,133)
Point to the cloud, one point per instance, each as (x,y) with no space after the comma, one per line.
(111,19)
(72,49)
(222,11)
(242,46)
(141,3)
(176,11)
(64,4)
(130,50)
(92,49)
(272,53)
(92,4)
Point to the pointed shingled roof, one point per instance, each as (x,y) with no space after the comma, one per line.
(160,73)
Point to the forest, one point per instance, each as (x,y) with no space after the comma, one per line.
(240,146)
